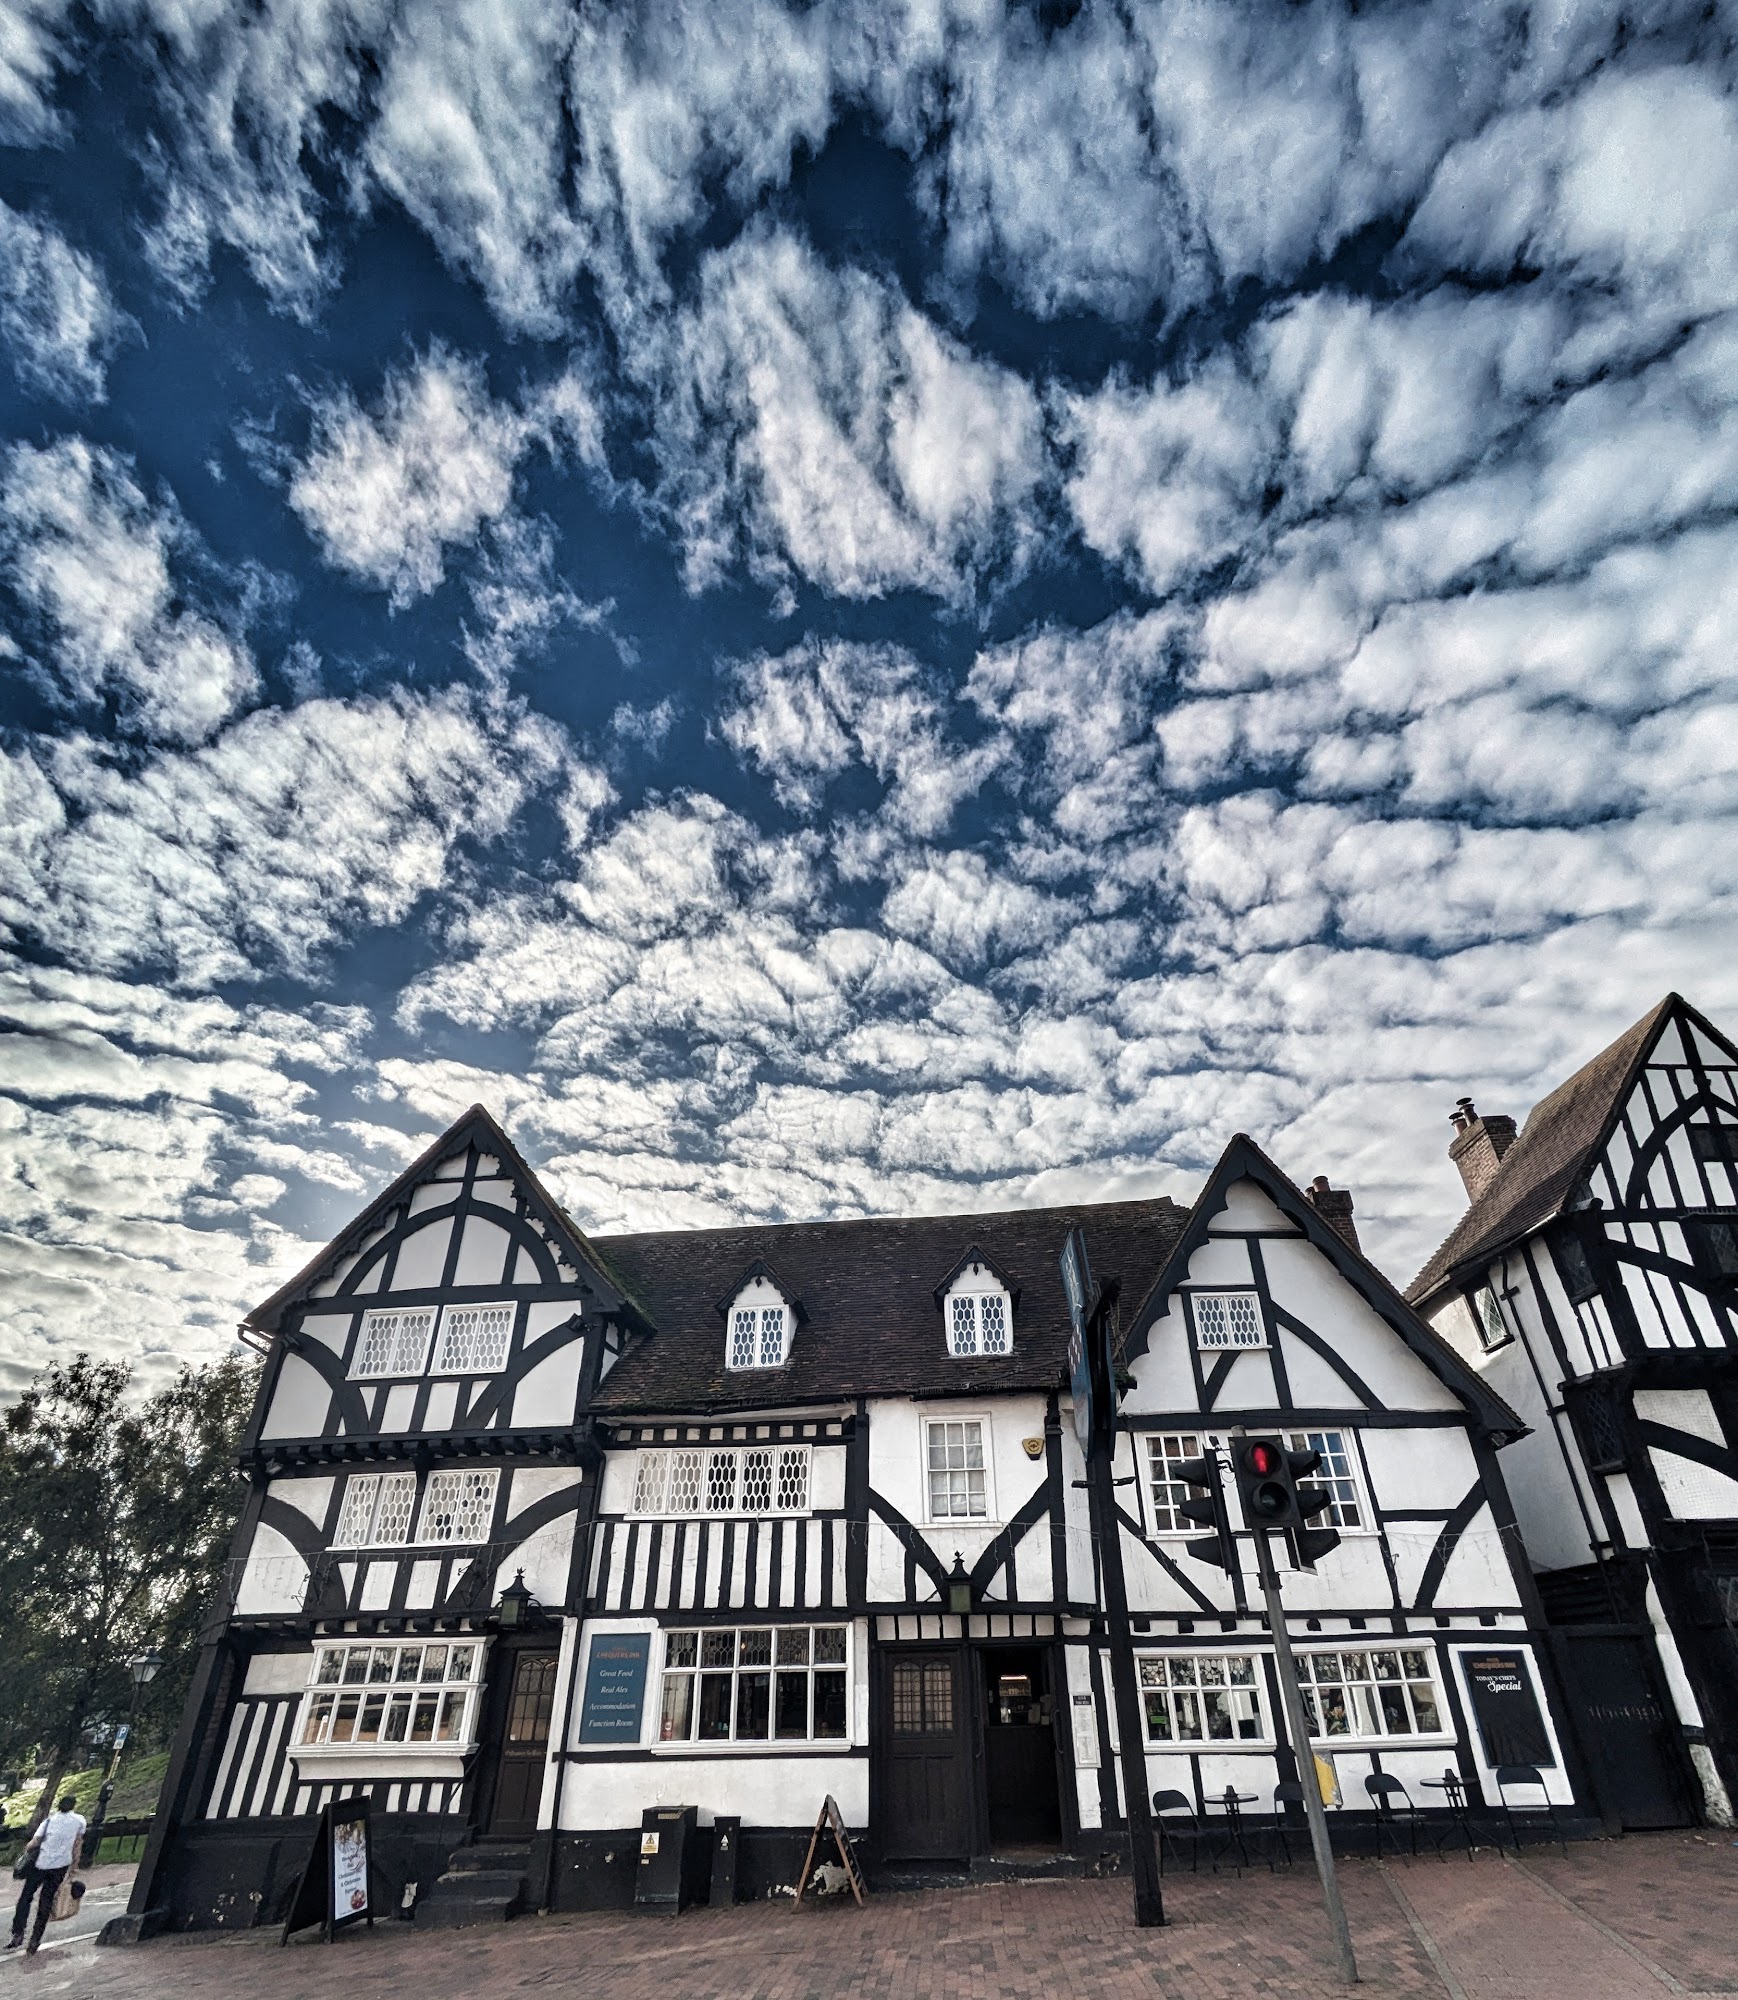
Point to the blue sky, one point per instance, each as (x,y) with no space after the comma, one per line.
(838,610)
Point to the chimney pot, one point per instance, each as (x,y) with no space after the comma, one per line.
(1334,1206)
(1478,1145)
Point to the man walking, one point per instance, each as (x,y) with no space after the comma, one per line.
(52,1852)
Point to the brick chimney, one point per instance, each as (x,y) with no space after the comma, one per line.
(1334,1206)
(1478,1145)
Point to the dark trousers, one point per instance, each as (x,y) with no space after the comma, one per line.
(42,1883)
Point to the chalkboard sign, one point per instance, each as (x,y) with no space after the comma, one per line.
(830,1820)
(1510,1724)
(335,1889)
(615,1687)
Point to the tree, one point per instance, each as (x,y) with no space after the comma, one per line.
(115,1519)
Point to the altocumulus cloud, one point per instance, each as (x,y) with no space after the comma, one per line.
(836,608)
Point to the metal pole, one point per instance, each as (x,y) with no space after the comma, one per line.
(1297,1728)
(1101,1491)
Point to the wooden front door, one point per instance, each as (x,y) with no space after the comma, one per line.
(524,1744)
(1627,1732)
(925,1775)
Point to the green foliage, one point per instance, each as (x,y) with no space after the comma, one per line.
(135,1796)
(115,1519)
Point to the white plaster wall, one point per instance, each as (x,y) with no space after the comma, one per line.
(1222,1260)
(278,1673)
(1419,1468)
(542,1314)
(482,1252)
(308,1496)
(545,1558)
(548,1394)
(1306,1284)
(329,1329)
(299,1402)
(827,1478)
(1694,1492)
(533,1483)
(898,1473)
(1163,1381)
(273,1578)
(432,1195)
(422,1256)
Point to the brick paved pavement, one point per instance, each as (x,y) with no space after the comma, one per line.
(1627,1920)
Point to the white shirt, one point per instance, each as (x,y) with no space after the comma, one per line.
(60,1835)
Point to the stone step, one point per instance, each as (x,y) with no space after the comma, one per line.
(488,1860)
(452,1913)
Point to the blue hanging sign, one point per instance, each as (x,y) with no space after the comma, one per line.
(615,1687)
(1077,1288)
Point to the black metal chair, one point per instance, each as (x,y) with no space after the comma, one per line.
(1176,1819)
(1523,1778)
(1384,1789)
(1286,1794)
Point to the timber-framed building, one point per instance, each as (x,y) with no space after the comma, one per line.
(1593,1282)
(545,1530)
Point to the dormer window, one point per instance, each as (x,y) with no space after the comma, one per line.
(978,1310)
(758,1323)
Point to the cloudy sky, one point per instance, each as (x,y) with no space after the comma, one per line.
(838,610)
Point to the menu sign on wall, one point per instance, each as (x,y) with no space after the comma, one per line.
(615,1687)
(1511,1726)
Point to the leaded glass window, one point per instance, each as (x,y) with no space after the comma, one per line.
(458,1505)
(474,1340)
(1228,1320)
(392,1343)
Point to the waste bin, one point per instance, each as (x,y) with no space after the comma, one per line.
(669,1853)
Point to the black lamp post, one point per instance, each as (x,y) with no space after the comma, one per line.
(143,1669)
(959,1588)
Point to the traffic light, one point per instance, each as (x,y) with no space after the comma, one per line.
(1270,1485)
(1209,1509)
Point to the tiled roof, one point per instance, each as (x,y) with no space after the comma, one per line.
(1542,1169)
(873,1327)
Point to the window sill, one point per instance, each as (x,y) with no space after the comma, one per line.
(772,1514)
(830,1746)
(390,1760)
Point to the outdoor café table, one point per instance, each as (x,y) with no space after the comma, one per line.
(1231,1804)
(1451,1784)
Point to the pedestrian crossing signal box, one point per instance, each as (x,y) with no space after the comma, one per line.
(673,1859)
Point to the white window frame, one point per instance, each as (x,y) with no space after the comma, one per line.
(1177,1700)
(966,1342)
(763,1312)
(772,1744)
(448,1700)
(1231,1297)
(1333,1516)
(653,1485)
(396,1355)
(441,1365)
(1442,1733)
(434,1487)
(370,1490)
(985,1435)
(1490,1337)
(1198,1443)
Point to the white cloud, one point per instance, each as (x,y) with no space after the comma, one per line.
(56,315)
(811,421)
(259,849)
(91,556)
(387,496)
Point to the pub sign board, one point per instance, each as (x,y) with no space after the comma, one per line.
(1511,1725)
(615,1687)
(1077,1287)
